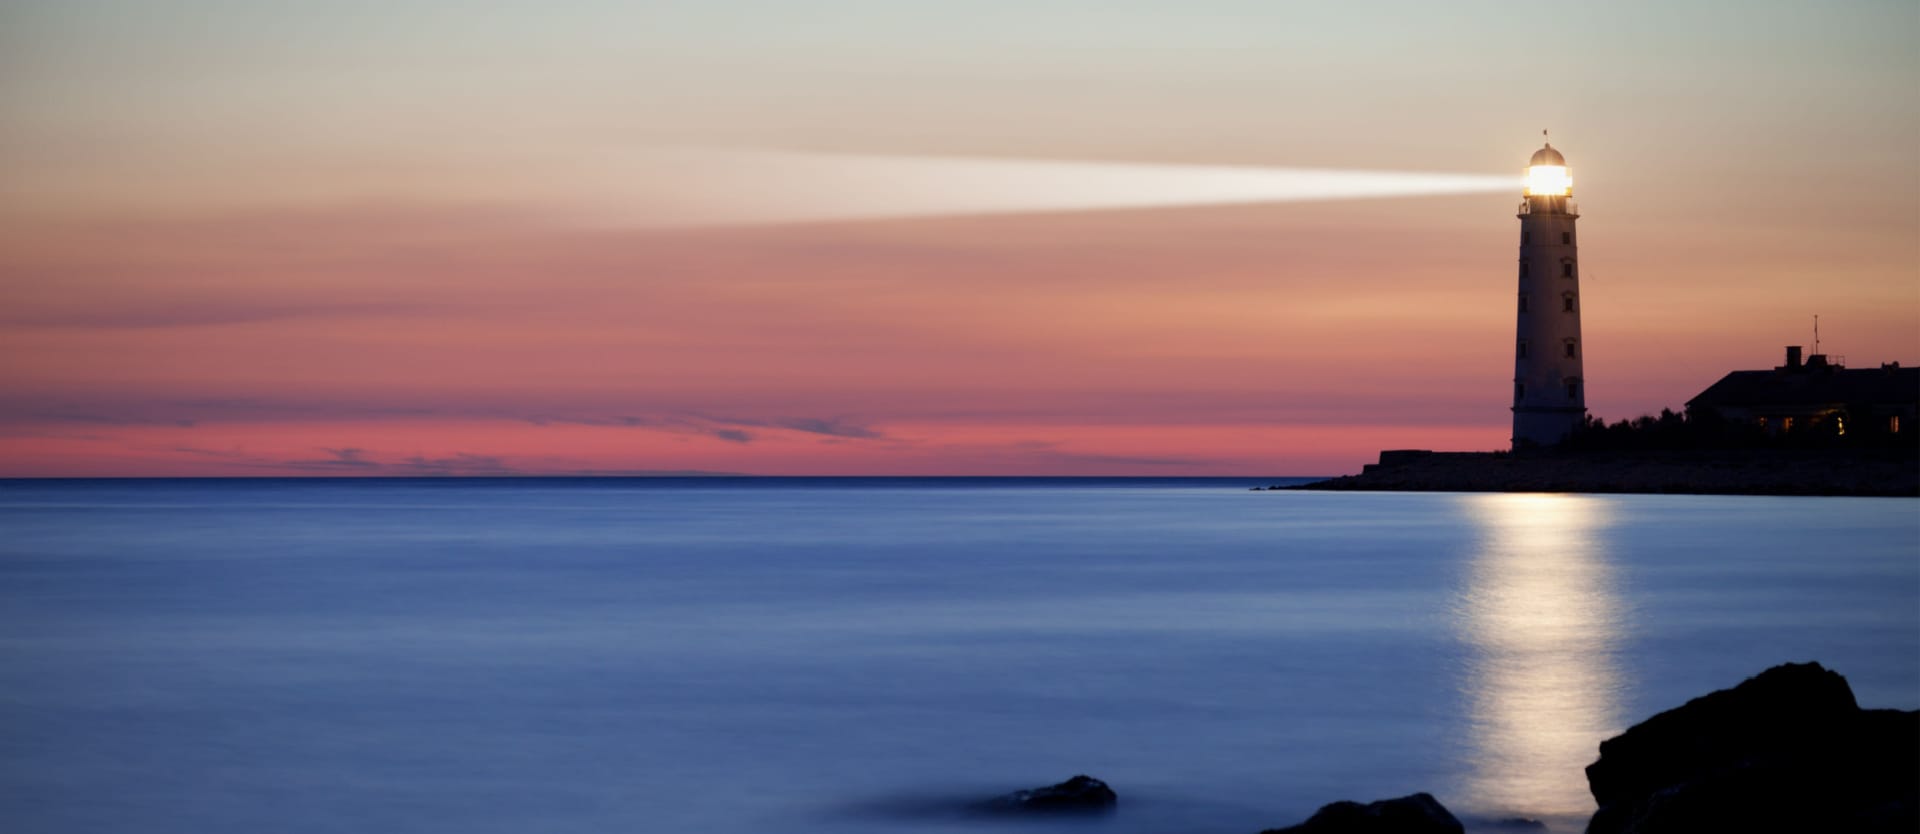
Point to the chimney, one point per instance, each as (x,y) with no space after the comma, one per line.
(1793,357)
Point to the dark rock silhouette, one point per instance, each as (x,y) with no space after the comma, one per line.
(1708,471)
(1080,795)
(1788,750)
(1416,814)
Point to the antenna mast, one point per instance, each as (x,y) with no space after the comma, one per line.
(1816,334)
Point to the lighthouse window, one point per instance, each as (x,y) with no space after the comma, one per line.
(1566,269)
(1519,390)
(1523,302)
(1573,390)
(1569,348)
(1523,269)
(1566,237)
(1523,349)
(1566,303)
(1526,238)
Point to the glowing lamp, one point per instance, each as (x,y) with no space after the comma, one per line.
(1547,174)
(1549,181)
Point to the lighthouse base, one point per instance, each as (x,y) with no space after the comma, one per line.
(1536,426)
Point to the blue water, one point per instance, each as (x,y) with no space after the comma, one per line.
(850,656)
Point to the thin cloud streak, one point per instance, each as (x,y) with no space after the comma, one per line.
(342,459)
(460,463)
(200,313)
(354,460)
(830,427)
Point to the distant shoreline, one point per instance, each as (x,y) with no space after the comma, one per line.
(1807,472)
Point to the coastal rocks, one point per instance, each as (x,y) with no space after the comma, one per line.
(1416,814)
(1786,750)
(1080,795)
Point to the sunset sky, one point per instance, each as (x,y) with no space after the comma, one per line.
(428,237)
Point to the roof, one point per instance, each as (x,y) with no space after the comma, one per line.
(1547,156)
(1813,386)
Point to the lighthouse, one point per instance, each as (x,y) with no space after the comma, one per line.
(1549,389)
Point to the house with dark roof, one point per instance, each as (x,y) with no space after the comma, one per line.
(1816,396)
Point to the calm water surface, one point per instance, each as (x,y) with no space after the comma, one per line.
(859,656)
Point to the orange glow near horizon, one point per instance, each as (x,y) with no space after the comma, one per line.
(1250,340)
(733,447)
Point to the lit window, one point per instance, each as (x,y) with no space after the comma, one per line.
(1569,348)
(1786,424)
(1893,424)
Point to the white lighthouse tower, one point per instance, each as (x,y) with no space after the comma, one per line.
(1549,390)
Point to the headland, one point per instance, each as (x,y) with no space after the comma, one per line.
(1780,471)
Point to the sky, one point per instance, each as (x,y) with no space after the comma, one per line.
(420,237)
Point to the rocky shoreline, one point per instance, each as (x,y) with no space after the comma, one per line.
(1711,472)
(1787,750)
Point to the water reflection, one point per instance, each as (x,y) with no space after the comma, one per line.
(1542,617)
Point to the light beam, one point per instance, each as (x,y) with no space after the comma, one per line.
(725,188)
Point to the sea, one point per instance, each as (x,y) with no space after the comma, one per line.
(855,655)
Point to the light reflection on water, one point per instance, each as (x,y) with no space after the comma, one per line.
(1542,617)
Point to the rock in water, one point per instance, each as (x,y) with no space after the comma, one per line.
(1416,814)
(1082,795)
(1788,750)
